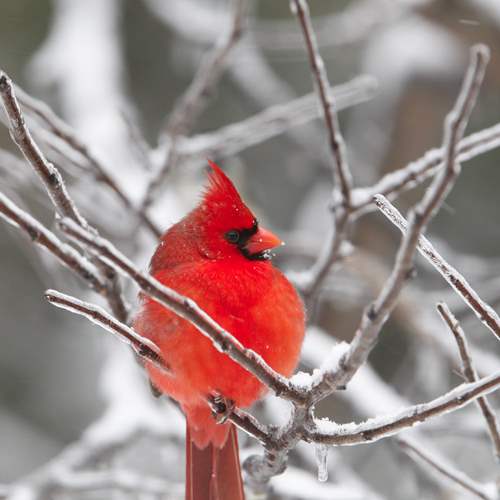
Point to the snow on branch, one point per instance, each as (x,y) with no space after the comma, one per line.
(186,308)
(41,236)
(484,312)
(49,175)
(415,173)
(377,313)
(142,347)
(60,129)
(471,375)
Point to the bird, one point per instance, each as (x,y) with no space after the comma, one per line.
(219,256)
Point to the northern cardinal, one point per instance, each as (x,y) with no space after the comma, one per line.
(219,256)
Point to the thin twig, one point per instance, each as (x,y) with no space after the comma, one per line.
(59,128)
(49,175)
(40,235)
(443,469)
(194,100)
(342,174)
(313,279)
(376,314)
(471,375)
(187,309)
(388,425)
(485,313)
(416,172)
(274,120)
(55,186)
(142,346)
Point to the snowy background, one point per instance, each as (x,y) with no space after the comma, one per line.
(114,70)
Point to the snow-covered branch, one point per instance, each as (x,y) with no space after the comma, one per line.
(470,374)
(485,313)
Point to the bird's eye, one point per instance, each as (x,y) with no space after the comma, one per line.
(233,236)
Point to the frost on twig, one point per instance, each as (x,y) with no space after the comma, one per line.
(485,313)
(141,346)
(470,374)
(446,472)
(87,466)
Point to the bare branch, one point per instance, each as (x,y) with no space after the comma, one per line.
(146,349)
(376,314)
(192,103)
(187,309)
(49,175)
(388,425)
(485,313)
(54,184)
(342,174)
(312,280)
(40,235)
(417,172)
(471,375)
(444,470)
(59,128)
(233,138)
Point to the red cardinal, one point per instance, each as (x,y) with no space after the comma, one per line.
(219,256)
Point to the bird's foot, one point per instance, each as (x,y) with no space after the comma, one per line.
(221,407)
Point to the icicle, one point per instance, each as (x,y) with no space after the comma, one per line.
(322,462)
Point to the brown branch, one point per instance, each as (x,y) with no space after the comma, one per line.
(386,426)
(471,375)
(143,347)
(312,280)
(54,185)
(376,314)
(485,313)
(272,121)
(443,469)
(188,309)
(59,128)
(41,236)
(49,175)
(342,174)
(416,172)
(192,103)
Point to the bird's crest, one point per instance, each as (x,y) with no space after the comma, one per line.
(220,189)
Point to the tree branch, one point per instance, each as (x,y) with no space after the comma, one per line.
(54,185)
(444,470)
(187,309)
(49,175)
(485,313)
(59,128)
(471,375)
(41,236)
(191,104)
(142,346)
(376,314)
(342,174)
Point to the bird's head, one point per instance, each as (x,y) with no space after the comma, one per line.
(227,227)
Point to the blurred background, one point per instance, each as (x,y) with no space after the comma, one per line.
(115,70)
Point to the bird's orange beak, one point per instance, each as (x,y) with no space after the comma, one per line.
(261,241)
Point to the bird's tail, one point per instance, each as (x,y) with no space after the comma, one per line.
(213,473)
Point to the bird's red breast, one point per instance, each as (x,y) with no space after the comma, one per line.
(218,256)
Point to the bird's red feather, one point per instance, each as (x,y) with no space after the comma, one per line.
(249,297)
